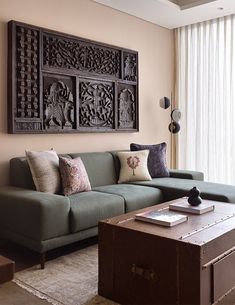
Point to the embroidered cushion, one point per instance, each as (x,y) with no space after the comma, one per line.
(133,166)
(74,176)
(44,167)
(157,158)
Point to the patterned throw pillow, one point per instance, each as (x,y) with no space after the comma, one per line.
(133,166)
(157,159)
(74,176)
(44,167)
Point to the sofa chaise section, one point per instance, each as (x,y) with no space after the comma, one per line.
(175,188)
(186,174)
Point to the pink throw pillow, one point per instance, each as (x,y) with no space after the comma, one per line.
(74,176)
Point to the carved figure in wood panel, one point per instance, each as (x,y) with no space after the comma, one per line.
(96,104)
(74,54)
(127,111)
(27,42)
(130,67)
(58,107)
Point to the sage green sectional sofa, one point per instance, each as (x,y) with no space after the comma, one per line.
(43,221)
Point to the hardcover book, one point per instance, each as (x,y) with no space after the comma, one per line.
(164,218)
(184,206)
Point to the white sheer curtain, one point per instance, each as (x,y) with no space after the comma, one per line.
(205,93)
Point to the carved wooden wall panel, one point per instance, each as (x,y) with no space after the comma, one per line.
(96,104)
(62,83)
(59,103)
(126,106)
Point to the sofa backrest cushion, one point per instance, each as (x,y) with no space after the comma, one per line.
(20,174)
(99,166)
(116,161)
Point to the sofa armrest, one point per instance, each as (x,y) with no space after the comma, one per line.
(186,174)
(36,215)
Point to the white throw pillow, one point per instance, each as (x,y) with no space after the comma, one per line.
(44,167)
(133,166)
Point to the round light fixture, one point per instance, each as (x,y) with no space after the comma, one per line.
(176,115)
(174,127)
(165,102)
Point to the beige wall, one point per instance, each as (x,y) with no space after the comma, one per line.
(90,20)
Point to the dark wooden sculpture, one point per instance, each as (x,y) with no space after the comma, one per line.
(62,83)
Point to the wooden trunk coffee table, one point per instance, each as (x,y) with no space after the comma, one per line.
(190,263)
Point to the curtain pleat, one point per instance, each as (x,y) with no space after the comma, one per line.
(205,55)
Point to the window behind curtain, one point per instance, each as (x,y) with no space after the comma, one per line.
(205,54)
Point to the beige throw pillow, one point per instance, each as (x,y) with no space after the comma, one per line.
(133,166)
(44,167)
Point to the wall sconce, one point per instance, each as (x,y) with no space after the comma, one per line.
(174,126)
(165,102)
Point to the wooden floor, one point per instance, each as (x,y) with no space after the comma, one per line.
(12,294)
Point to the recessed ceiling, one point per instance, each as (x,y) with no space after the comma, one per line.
(185,4)
(173,13)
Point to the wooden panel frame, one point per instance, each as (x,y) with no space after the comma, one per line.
(60,83)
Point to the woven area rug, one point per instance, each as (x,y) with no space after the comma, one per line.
(67,280)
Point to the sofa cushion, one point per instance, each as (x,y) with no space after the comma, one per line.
(116,161)
(99,166)
(88,208)
(174,188)
(133,166)
(156,160)
(20,174)
(136,197)
(74,176)
(44,167)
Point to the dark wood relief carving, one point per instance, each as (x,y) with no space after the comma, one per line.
(27,126)
(59,103)
(62,83)
(96,104)
(126,106)
(130,67)
(72,54)
(27,60)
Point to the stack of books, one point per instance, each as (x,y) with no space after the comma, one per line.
(169,218)
(184,206)
(164,218)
